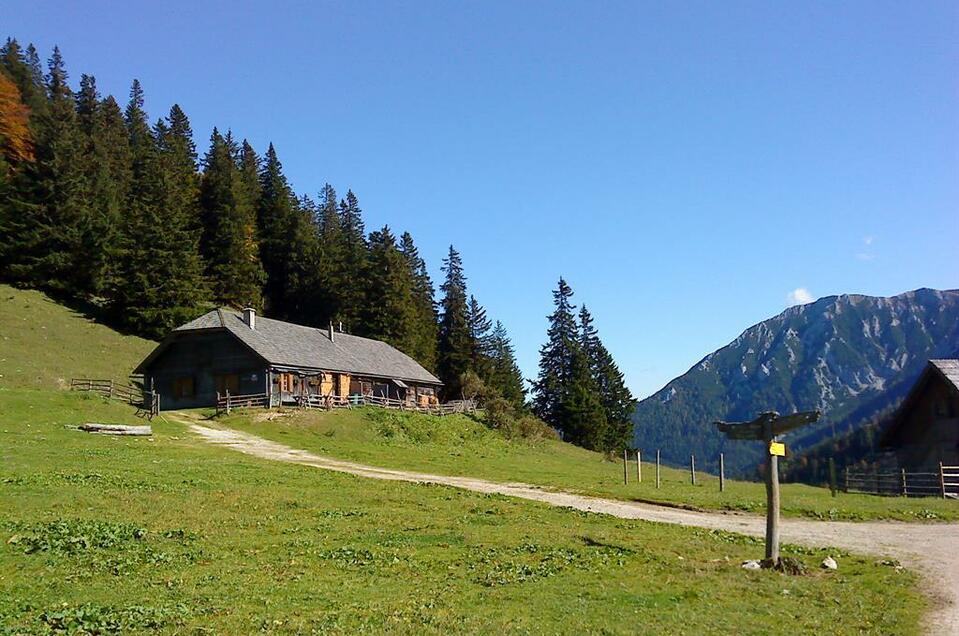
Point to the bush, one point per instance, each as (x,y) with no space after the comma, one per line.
(473,387)
(513,423)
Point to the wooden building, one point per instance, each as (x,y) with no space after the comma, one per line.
(246,354)
(925,429)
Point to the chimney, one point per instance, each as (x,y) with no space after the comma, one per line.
(331,331)
(249,317)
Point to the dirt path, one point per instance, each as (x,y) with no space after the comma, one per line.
(933,549)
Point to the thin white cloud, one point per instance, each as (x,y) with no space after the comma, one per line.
(867,254)
(867,240)
(799,296)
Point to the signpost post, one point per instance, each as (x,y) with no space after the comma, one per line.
(768,427)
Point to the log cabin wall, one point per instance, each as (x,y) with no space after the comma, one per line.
(930,430)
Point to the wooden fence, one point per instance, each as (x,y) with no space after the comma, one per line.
(336,402)
(147,402)
(226,402)
(940,483)
(109,389)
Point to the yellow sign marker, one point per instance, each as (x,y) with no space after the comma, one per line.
(777,448)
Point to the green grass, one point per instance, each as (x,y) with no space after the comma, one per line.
(44,344)
(103,534)
(458,445)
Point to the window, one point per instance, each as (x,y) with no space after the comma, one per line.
(228,382)
(183,388)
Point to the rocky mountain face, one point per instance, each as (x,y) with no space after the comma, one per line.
(848,356)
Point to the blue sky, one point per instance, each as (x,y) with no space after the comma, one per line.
(686,166)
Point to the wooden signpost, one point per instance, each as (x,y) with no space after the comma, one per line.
(768,427)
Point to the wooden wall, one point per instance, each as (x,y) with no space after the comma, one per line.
(930,431)
(203,357)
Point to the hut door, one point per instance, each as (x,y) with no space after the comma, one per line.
(286,387)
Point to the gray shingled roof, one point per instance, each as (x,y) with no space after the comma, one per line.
(285,344)
(949,369)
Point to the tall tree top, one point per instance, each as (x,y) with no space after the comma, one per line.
(57,77)
(180,129)
(273,182)
(455,282)
(351,219)
(87,99)
(135,105)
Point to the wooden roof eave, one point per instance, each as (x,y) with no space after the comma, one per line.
(287,368)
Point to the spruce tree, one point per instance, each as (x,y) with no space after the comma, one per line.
(279,223)
(391,313)
(229,241)
(354,253)
(425,333)
(454,348)
(580,410)
(506,378)
(302,244)
(617,401)
(140,138)
(112,180)
(105,147)
(249,166)
(331,275)
(556,358)
(480,327)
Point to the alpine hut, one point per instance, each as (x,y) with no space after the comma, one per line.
(283,363)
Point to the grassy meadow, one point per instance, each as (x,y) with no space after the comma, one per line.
(165,534)
(461,446)
(43,344)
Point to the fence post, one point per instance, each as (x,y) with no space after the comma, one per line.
(625,467)
(639,466)
(692,468)
(846,471)
(722,473)
(942,481)
(657,468)
(903,474)
(832,476)
(228,401)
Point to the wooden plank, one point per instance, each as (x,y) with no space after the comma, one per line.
(116,429)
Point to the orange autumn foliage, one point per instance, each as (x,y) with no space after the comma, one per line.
(15,139)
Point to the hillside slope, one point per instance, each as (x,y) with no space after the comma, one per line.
(44,344)
(849,356)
